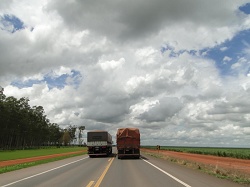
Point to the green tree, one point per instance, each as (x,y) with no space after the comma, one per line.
(66,137)
(54,134)
(72,132)
(24,126)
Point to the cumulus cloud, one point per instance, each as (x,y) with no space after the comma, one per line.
(122,63)
(127,20)
(164,109)
(111,65)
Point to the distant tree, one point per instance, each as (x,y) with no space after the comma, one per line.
(55,134)
(81,128)
(66,137)
(72,132)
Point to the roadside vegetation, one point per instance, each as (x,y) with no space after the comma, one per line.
(27,127)
(30,164)
(20,154)
(240,153)
(232,175)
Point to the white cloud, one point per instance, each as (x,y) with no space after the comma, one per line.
(223,48)
(246,50)
(227,59)
(241,67)
(126,79)
(112,65)
(62,70)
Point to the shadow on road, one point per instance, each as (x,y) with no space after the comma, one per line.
(103,156)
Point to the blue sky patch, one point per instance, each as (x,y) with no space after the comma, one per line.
(224,55)
(11,23)
(229,52)
(58,82)
(245,8)
(53,82)
(25,84)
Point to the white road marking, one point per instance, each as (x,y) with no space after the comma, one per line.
(43,172)
(173,177)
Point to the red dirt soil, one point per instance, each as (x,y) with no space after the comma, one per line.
(32,159)
(234,164)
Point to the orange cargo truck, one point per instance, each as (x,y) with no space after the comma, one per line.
(128,142)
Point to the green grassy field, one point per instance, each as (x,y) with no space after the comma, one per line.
(241,153)
(16,154)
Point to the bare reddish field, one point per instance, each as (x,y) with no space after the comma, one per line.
(227,163)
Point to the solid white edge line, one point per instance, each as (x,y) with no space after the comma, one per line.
(43,172)
(173,177)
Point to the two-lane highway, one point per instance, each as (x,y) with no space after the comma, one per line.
(83,171)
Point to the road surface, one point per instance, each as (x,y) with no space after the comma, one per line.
(82,171)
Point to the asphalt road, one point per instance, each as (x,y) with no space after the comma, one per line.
(111,172)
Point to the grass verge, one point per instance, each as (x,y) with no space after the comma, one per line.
(18,154)
(30,164)
(231,175)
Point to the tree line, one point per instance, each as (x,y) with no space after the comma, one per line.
(23,126)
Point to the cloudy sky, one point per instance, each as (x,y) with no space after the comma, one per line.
(178,70)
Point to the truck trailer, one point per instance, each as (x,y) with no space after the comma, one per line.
(99,143)
(128,143)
